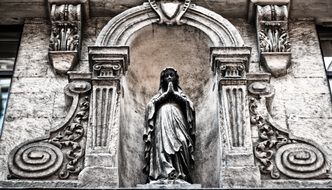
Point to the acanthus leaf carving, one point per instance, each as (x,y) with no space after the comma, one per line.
(58,155)
(66,22)
(65,37)
(277,152)
(273,38)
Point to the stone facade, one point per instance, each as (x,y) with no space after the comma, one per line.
(297,105)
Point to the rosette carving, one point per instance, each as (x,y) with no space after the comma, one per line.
(279,154)
(59,154)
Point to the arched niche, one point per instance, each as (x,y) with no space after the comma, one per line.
(137,27)
(154,48)
(119,30)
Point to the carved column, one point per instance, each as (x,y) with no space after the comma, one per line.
(272,35)
(65,41)
(231,65)
(108,65)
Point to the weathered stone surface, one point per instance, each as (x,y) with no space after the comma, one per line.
(302,102)
(38,85)
(169,184)
(240,177)
(298,184)
(21,129)
(20,105)
(38,184)
(99,177)
(315,129)
(3,167)
(318,9)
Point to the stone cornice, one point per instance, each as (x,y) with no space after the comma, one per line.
(13,11)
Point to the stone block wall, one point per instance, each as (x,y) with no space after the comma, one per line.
(302,103)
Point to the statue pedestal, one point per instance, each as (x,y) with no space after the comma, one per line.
(169,184)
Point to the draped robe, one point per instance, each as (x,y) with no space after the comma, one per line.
(169,138)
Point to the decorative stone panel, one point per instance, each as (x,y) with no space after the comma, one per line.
(60,154)
(279,154)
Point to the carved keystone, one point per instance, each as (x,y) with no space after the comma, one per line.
(272,35)
(170,12)
(65,40)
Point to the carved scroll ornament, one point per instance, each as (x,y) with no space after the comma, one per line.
(170,11)
(65,36)
(273,38)
(60,154)
(278,153)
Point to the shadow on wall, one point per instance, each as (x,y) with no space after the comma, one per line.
(187,50)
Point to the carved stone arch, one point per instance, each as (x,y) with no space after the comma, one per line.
(119,30)
(109,60)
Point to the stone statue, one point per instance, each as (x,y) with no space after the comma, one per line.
(169,135)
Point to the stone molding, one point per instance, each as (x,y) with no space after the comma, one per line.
(272,35)
(279,154)
(60,154)
(119,30)
(65,41)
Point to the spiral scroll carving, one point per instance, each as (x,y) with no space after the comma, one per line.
(280,155)
(35,160)
(59,155)
(300,161)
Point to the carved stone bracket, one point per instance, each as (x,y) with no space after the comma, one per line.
(65,40)
(272,35)
(60,154)
(277,152)
(170,12)
(108,65)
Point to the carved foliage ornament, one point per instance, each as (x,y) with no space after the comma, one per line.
(65,36)
(65,27)
(277,153)
(60,154)
(273,38)
(273,28)
(170,11)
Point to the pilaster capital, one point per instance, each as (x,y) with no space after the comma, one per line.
(230,64)
(108,63)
